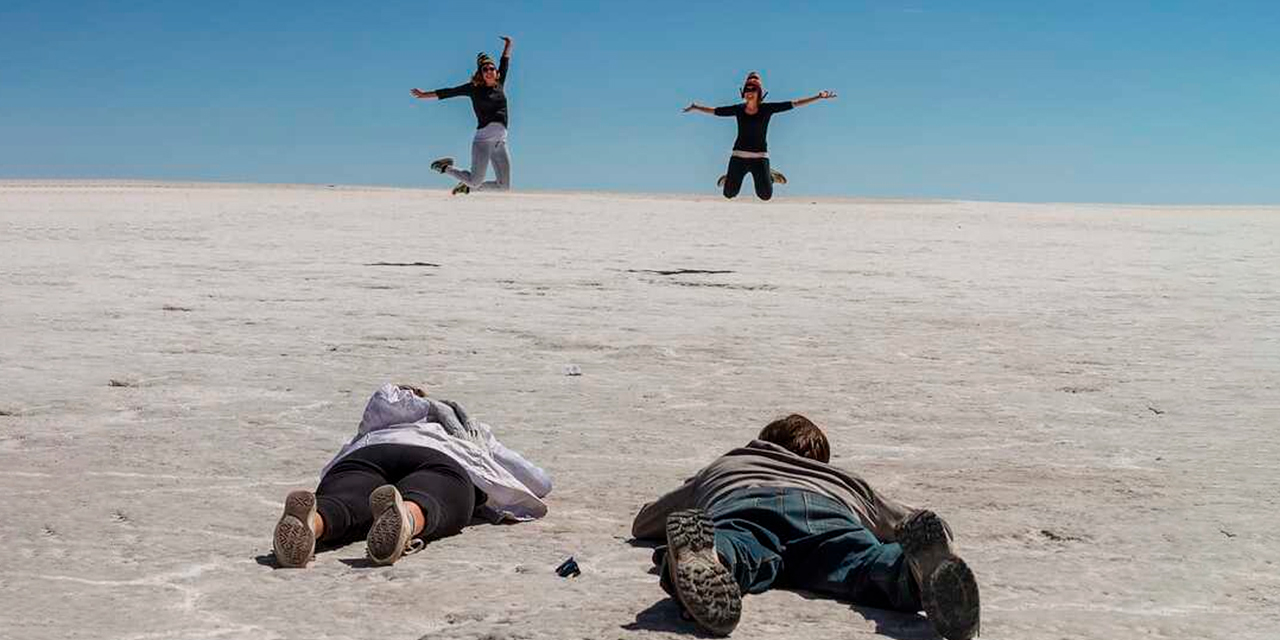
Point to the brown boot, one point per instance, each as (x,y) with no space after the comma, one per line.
(948,590)
(703,586)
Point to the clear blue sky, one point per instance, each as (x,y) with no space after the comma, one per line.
(1108,101)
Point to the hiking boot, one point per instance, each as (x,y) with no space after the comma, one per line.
(295,543)
(703,586)
(777,176)
(462,188)
(948,590)
(391,535)
(440,165)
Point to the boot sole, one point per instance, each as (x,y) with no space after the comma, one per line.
(294,543)
(703,585)
(951,600)
(948,589)
(390,531)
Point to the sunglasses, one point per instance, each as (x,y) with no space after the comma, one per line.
(488,68)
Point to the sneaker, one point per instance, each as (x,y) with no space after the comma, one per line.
(391,535)
(440,165)
(948,590)
(703,586)
(777,176)
(721,181)
(295,543)
(462,188)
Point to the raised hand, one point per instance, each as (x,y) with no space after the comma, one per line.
(418,93)
(826,95)
(691,107)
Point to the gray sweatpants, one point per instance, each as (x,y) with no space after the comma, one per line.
(482,153)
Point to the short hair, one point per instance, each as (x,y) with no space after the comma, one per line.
(799,435)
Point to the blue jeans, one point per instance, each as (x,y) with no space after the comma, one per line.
(804,540)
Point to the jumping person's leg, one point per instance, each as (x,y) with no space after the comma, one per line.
(501,159)
(733,176)
(762,177)
(480,150)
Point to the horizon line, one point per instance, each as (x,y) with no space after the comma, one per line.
(107,182)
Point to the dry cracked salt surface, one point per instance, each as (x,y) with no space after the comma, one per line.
(1089,393)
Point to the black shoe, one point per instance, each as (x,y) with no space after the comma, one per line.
(948,590)
(721,181)
(462,188)
(777,176)
(702,584)
(440,165)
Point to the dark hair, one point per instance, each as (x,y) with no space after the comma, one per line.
(799,435)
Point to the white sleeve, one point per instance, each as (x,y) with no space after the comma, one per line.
(529,474)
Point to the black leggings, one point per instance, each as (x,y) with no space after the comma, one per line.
(760,174)
(433,480)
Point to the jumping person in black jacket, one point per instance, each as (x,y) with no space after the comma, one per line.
(751,149)
(489,101)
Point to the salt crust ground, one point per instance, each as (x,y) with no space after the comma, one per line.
(1089,394)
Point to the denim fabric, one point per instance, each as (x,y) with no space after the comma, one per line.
(803,540)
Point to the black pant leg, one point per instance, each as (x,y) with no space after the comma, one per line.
(438,484)
(343,495)
(762,177)
(733,176)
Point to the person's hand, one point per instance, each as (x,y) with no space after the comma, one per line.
(826,95)
(691,107)
(418,93)
(506,41)
(417,391)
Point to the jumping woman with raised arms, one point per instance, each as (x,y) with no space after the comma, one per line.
(489,101)
(751,149)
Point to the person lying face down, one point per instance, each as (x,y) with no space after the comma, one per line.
(417,470)
(776,512)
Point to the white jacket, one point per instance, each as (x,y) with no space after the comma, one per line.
(514,485)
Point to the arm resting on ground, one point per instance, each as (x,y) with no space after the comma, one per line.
(651,522)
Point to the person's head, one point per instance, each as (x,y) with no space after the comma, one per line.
(486,71)
(797,434)
(753,88)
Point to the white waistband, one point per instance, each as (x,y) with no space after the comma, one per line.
(750,155)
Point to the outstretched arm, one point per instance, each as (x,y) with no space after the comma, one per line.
(651,522)
(441,94)
(693,106)
(506,46)
(821,95)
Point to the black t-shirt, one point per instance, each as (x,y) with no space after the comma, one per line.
(489,103)
(753,129)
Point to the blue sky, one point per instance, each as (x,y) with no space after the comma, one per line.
(1161,102)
